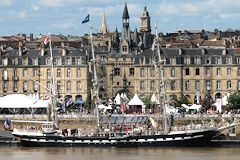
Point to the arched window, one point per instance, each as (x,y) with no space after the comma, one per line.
(142,72)
(153,85)
(78,86)
(69,72)
(58,61)
(48,73)
(173,72)
(229,84)
(58,72)
(78,72)
(142,86)
(69,87)
(152,72)
(5,74)
(59,86)
(187,85)
(49,85)
(25,86)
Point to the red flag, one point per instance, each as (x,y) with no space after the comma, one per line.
(47,39)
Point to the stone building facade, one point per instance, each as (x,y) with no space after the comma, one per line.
(126,64)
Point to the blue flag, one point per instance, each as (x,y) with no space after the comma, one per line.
(86,19)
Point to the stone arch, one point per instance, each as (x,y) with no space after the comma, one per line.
(197,99)
(218,95)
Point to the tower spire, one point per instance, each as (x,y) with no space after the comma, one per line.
(125,12)
(104,24)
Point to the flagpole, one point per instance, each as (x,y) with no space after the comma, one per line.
(95,80)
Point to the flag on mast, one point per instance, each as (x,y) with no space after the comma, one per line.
(47,39)
(86,19)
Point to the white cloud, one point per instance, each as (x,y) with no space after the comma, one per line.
(191,9)
(6,2)
(21,14)
(64,25)
(229,15)
(35,7)
(51,3)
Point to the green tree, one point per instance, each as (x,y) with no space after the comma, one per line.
(147,102)
(177,102)
(207,103)
(234,101)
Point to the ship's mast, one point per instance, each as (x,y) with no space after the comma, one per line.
(162,96)
(95,79)
(53,89)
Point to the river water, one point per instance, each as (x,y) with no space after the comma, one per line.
(20,153)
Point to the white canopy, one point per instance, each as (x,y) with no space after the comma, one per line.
(21,101)
(136,101)
(40,104)
(195,106)
(154,99)
(102,106)
(117,99)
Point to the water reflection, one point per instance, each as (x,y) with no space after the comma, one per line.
(20,153)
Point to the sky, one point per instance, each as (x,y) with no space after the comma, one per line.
(65,16)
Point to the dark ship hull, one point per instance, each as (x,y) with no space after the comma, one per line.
(194,139)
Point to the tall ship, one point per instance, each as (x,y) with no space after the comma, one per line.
(118,130)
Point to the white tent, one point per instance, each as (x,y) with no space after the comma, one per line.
(20,101)
(154,99)
(101,106)
(195,106)
(185,106)
(136,101)
(117,100)
(40,104)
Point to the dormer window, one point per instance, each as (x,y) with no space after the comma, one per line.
(48,61)
(5,61)
(124,48)
(69,60)
(15,61)
(25,61)
(208,60)
(197,60)
(219,60)
(35,61)
(58,61)
(78,61)
(173,61)
(187,60)
(229,60)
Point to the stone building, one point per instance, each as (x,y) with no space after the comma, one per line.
(126,63)
(30,71)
